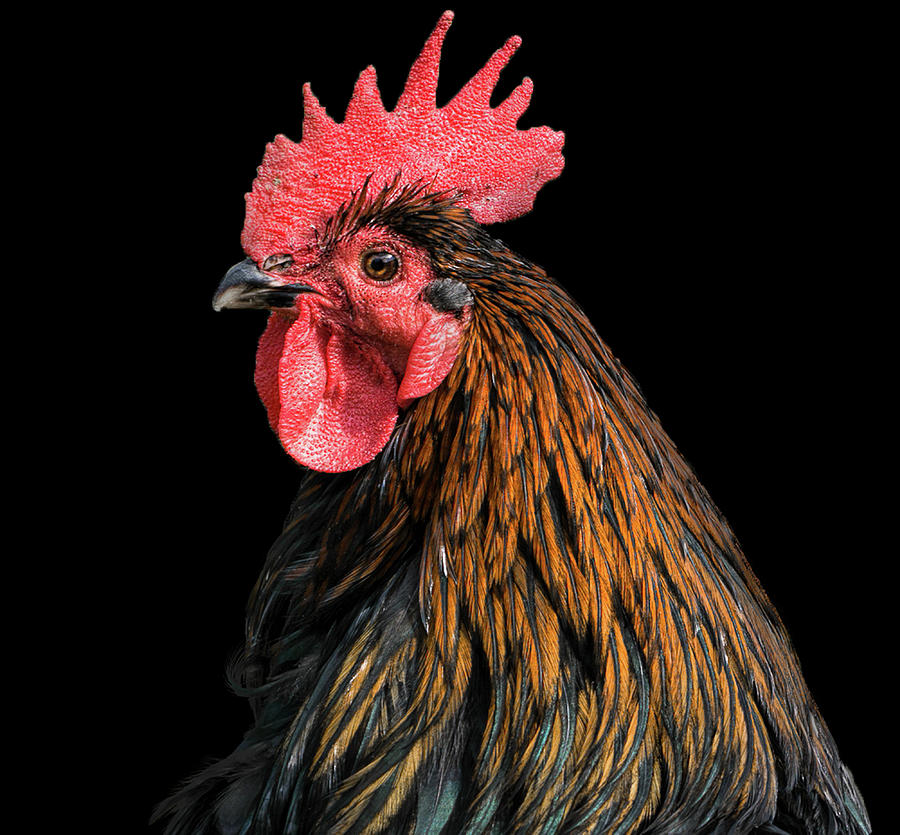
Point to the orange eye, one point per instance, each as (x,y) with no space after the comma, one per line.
(380,265)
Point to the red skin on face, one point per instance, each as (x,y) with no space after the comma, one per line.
(334,370)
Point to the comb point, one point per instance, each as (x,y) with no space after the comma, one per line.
(466,147)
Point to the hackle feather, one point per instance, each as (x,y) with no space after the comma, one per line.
(526,615)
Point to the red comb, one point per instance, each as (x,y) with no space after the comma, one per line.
(466,146)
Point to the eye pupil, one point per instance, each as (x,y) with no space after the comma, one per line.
(380,265)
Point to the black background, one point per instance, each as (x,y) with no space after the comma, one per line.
(715,219)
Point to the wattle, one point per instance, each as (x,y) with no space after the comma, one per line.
(331,397)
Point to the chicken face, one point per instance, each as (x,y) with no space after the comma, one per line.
(358,330)
(362,322)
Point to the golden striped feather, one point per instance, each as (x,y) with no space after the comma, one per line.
(526,615)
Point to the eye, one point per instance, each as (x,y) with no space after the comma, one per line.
(379,264)
(277,263)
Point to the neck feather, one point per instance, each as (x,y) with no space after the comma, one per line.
(529,583)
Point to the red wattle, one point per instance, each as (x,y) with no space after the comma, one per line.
(331,398)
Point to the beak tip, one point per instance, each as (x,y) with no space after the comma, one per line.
(244,286)
(226,296)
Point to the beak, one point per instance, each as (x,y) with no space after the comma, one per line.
(245,286)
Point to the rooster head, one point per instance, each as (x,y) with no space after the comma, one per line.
(362,323)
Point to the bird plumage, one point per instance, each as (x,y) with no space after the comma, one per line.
(504,604)
(525,615)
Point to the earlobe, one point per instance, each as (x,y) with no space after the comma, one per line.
(431,357)
(446,295)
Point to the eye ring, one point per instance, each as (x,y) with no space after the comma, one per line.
(380,265)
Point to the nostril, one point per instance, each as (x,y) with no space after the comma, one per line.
(245,286)
(275,263)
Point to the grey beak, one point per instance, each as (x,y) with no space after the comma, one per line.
(246,287)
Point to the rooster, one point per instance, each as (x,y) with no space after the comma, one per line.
(502,601)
